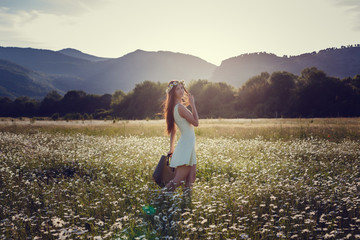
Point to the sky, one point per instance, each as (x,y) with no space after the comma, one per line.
(213,30)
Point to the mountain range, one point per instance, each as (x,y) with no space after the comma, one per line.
(34,72)
(343,62)
(16,81)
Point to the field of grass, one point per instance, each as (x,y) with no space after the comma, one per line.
(256,179)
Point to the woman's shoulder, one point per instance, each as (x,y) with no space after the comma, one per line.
(181,106)
(182,110)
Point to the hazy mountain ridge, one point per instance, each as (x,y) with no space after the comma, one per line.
(70,69)
(142,65)
(18,81)
(78,54)
(69,72)
(45,61)
(341,63)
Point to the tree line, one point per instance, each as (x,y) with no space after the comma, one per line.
(280,94)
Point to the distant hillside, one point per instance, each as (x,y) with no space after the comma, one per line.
(78,54)
(343,62)
(106,76)
(124,72)
(45,61)
(71,69)
(16,81)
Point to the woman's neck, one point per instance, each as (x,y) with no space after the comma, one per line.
(177,100)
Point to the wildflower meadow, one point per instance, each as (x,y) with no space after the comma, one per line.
(265,179)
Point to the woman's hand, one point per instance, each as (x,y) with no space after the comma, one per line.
(190,116)
(170,153)
(191,99)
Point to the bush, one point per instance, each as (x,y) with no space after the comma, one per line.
(85,116)
(72,116)
(55,116)
(102,114)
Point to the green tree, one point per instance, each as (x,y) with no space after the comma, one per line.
(280,92)
(72,102)
(317,94)
(252,96)
(6,109)
(117,97)
(144,101)
(213,99)
(25,107)
(50,103)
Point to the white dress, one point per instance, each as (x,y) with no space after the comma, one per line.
(184,153)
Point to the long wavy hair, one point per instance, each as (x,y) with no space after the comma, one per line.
(168,107)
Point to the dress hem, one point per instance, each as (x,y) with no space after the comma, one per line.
(190,165)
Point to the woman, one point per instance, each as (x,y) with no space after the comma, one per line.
(183,156)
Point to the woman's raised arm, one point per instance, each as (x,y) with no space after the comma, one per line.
(191,117)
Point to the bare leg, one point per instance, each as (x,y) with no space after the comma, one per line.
(191,177)
(181,174)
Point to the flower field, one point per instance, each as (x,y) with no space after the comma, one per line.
(74,184)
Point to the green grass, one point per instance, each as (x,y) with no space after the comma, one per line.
(256,179)
(333,129)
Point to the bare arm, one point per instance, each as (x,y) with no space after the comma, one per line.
(191,117)
(172,141)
